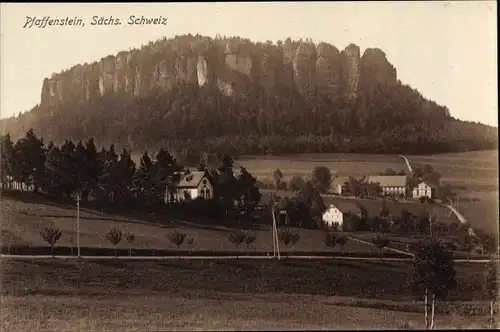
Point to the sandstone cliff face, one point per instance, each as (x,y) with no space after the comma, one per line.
(375,69)
(328,67)
(231,65)
(106,79)
(289,52)
(120,73)
(304,68)
(269,67)
(350,72)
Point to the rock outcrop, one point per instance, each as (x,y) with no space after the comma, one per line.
(375,69)
(350,72)
(328,67)
(304,68)
(232,65)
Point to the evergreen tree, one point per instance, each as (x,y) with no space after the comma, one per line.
(6,155)
(28,160)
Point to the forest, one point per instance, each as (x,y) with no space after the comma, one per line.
(112,180)
(191,120)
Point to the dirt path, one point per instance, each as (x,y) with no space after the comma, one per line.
(407,163)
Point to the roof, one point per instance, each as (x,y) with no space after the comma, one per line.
(430,184)
(347,207)
(388,180)
(191,180)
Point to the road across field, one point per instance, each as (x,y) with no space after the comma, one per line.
(146,258)
(407,163)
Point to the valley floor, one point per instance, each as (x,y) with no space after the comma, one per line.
(121,295)
(217,312)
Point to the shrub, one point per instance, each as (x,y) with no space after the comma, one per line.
(51,235)
(249,238)
(177,238)
(237,237)
(114,236)
(331,239)
(288,236)
(130,237)
(380,242)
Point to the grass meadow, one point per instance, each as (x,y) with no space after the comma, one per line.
(60,295)
(22,222)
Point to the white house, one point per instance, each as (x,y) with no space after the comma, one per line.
(335,214)
(392,185)
(424,189)
(190,186)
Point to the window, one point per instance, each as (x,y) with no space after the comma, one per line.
(204,181)
(207,193)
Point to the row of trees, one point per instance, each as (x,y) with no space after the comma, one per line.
(434,274)
(81,170)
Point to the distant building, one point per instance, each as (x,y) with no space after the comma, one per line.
(391,185)
(424,189)
(190,186)
(339,185)
(337,212)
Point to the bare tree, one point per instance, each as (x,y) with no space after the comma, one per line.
(177,238)
(287,237)
(236,238)
(249,238)
(114,236)
(51,235)
(130,237)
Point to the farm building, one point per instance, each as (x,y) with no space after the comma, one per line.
(338,185)
(424,189)
(391,185)
(336,213)
(191,185)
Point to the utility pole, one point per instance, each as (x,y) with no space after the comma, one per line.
(276,248)
(430,225)
(78,223)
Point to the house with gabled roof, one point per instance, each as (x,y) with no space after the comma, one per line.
(337,212)
(190,185)
(391,185)
(425,189)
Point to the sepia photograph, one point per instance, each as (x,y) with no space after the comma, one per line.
(249,166)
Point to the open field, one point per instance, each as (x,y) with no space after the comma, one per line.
(473,174)
(263,167)
(22,221)
(125,295)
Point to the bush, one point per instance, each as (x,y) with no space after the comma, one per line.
(51,235)
(177,238)
(114,236)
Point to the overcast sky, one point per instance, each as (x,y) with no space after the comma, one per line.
(446,50)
